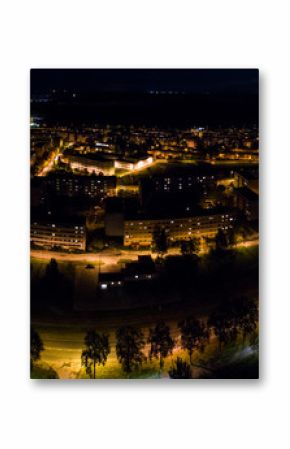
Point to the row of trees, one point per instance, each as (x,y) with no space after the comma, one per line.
(160,243)
(129,348)
(36,347)
(223,240)
(226,325)
(233,321)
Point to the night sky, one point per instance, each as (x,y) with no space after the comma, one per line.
(189,96)
(200,81)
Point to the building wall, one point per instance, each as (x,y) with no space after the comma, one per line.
(140,232)
(250,208)
(89,165)
(91,186)
(171,184)
(114,224)
(243,181)
(49,235)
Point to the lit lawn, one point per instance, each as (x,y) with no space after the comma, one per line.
(248,255)
(39,267)
(234,361)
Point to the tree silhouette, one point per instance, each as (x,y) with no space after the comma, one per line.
(254,341)
(130,343)
(246,316)
(190,247)
(36,347)
(52,271)
(161,343)
(160,241)
(194,335)
(221,240)
(96,351)
(181,370)
(224,326)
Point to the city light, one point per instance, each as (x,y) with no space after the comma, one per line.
(144,226)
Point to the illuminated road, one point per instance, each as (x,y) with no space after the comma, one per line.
(141,168)
(94,258)
(247,244)
(49,163)
(114,258)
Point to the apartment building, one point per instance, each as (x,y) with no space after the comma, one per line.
(139,232)
(51,234)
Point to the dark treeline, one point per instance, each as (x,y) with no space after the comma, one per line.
(150,110)
(187,278)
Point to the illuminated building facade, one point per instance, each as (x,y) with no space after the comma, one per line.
(89,164)
(93,164)
(133,165)
(88,186)
(175,184)
(50,235)
(140,232)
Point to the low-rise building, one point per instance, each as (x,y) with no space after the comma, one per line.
(143,270)
(110,280)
